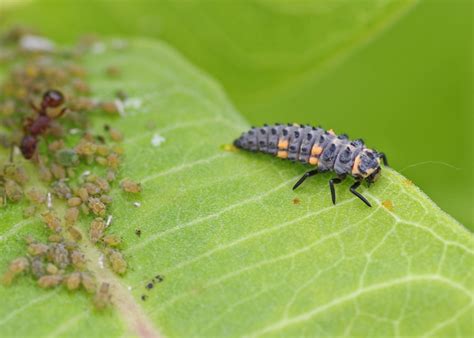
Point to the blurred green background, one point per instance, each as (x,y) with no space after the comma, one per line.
(397,73)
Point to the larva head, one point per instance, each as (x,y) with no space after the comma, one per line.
(367,165)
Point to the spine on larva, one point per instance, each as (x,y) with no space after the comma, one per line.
(304,143)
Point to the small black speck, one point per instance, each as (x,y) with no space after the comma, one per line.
(138,232)
(144,297)
(274,131)
(159,278)
(263,131)
(149,286)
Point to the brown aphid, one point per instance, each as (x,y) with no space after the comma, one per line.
(71,216)
(52,221)
(130,186)
(17,266)
(96,230)
(113,160)
(110,176)
(111,240)
(55,238)
(15,173)
(109,107)
(58,171)
(56,145)
(102,150)
(106,199)
(50,281)
(75,233)
(44,173)
(88,282)
(113,71)
(59,255)
(29,211)
(78,259)
(74,201)
(73,281)
(13,190)
(117,262)
(36,196)
(83,194)
(86,148)
(38,249)
(62,189)
(97,207)
(92,189)
(37,267)
(115,135)
(51,269)
(296,201)
(103,297)
(102,184)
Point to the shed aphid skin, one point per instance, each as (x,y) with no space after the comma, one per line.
(317,147)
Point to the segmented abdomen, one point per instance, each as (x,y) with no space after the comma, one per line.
(305,144)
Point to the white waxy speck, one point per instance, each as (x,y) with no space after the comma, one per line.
(133,103)
(98,48)
(157,140)
(129,288)
(109,220)
(32,43)
(49,201)
(137,204)
(101,261)
(86,173)
(74,131)
(120,107)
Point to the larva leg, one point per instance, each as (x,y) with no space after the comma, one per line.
(332,181)
(362,198)
(304,177)
(384,158)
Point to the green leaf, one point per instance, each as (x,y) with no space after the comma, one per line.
(239,256)
(375,69)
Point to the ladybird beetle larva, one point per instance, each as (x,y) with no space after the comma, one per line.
(317,147)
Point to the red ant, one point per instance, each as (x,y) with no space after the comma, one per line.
(33,128)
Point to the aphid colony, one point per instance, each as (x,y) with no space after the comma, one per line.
(45,107)
(317,147)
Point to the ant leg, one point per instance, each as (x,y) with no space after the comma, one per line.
(61,113)
(358,194)
(384,159)
(332,181)
(32,105)
(304,177)
(12,151)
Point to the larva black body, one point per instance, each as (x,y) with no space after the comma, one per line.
(318,147)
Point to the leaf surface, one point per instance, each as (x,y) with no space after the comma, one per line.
(239,256)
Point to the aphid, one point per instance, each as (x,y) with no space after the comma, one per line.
(16,267)
(78,259)
(296,201)
(51,269)
(102,297)
(52,221)
(96,206)
(49,281)
(37,249)
(118,263)
(73,281)
(96,230)
(130,186)
(112,240)
(75,234)
(88,282)
(74,202)
(13,191)
(59,255)
(320,148)
(388,204)
(33,128)
(37,267)
(36,197)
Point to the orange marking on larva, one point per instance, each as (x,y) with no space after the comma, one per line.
(283,144)
(282,154)
(313,160)
(355,166)
(330,131)
(316,150)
